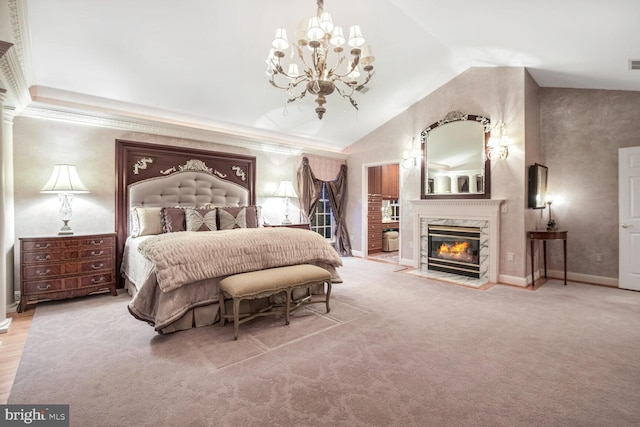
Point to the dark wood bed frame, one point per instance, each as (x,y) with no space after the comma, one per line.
(138,161)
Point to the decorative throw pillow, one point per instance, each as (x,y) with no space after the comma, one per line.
(173,219)
(145,221)
(200,219)
(238,217)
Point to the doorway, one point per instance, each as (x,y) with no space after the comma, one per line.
(382,212)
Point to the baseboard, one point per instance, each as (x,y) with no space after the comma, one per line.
(525,281)
(522,282)
(584,278)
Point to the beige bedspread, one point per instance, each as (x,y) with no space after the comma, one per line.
(186,257)
(175,272)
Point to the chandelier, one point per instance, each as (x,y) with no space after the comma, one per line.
(317,36)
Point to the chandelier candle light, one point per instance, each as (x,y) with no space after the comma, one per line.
(317,36)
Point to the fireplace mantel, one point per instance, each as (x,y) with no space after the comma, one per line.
(459,209)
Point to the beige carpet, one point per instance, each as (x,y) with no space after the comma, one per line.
(396,350)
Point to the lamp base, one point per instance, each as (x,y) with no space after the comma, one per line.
(286,221)
(65,230)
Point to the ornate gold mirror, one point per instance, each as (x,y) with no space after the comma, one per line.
(455,164)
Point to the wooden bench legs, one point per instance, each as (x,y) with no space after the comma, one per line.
(290,305)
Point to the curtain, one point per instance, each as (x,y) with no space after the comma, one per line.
(310,188)
(337,190)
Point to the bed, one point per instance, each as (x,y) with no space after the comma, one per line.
(187,218)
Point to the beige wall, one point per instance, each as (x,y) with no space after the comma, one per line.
(576,133)
(497,93)
(39,144)
(582,131)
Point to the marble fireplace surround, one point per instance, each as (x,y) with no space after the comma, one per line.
(484,213)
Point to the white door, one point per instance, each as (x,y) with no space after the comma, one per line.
(629,202)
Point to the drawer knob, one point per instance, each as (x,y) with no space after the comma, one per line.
(43,273)
(97,267)
(94,253)
(43,287)
(97,280)
(43,245)
(43,258)
(97,242)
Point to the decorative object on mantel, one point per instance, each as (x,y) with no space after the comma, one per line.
(319,35)
(498,145)
(410,157)
(286,190)
(65,181)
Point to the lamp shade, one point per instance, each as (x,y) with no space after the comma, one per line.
(286,190)
(64,179)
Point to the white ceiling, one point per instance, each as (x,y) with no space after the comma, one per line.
(202,62)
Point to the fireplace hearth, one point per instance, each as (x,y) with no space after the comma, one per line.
(454,249)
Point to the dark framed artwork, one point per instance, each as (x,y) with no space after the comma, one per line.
(538,176)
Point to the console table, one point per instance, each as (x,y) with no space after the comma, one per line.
(545,235)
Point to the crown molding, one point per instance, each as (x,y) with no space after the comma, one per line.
(253,141)
(11,73)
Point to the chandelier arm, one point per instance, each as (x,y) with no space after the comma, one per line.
(302,58)
(295,98)
(349,96)
(354,64)
(292,84)
(364,83)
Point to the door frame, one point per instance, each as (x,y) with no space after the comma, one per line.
(365,208)
(626,226)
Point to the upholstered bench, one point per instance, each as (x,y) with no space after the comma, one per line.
(265,283)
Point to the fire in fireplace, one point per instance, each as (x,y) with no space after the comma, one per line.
(454,249)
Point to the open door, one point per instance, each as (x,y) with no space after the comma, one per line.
(629,215)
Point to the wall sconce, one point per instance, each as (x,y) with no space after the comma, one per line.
(410,157)
(64,181)
(286,190)
(498,145)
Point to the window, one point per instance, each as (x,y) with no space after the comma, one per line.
(323,222)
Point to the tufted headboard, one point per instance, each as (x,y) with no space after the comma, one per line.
(157,175)
(187,188)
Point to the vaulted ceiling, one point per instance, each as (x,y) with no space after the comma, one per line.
(202,63)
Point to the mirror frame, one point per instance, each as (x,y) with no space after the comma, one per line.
(456,116)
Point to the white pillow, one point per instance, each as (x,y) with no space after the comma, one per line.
(146,221)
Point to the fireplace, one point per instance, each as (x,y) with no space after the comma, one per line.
(482,214)
(454,249)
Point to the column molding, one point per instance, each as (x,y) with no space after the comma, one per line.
(7,233)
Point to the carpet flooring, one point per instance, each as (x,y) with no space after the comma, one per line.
(395,350)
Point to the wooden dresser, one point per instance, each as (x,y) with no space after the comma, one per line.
(61,267)
(374,223)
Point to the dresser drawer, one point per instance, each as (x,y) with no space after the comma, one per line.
(96,279)
(40,286)
(42,257)
(98,241)
(95,266)
(98,252)
(43,271)
(48,244)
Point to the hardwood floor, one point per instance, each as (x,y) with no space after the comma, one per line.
(11,346)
